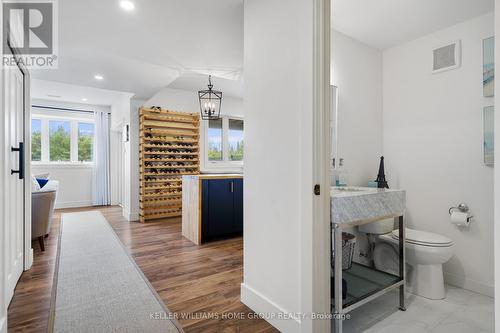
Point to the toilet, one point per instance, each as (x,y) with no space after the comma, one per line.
(426,253)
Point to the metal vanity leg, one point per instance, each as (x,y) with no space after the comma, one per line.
(337,247)
(402,263)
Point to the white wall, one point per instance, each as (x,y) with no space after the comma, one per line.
(127,160)
(497,177)
(115,101)
(187,101)
(357,72)
(75,181)
(130,178)
(75,184)
(278,101)
(433,144)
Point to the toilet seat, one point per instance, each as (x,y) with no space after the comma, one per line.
(423,238)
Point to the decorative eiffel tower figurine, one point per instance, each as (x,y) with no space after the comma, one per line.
(382,183)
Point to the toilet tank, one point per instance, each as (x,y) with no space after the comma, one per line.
(378,228)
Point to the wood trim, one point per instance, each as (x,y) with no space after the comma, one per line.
(174,132)
(164,123)
(152,116)
(191,215)
(148,111)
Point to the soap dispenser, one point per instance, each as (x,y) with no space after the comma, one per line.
(343,174)
(333,174)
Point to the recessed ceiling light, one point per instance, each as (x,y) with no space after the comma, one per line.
(127,5)
(84,99)
(98,77)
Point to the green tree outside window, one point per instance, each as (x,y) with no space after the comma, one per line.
(36,140)
(59,141)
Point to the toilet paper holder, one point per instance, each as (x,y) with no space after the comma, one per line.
(462,208)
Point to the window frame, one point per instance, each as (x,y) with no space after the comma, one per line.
(73,120)
(207,140)
(225,165)
(227,140)
(89,122)
(41,139)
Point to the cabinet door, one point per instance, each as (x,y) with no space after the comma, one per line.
(220,208)
(238,204)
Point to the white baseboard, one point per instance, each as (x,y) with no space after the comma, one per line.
(3,323)
(28,260)
(475,286)
(130,216)
(133,217)
(270,310)
(73,204)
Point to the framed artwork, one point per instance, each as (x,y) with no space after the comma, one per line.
(489,135)
(489,67)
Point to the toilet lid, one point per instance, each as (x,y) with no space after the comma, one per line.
(423,238)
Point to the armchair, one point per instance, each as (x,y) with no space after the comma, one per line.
(42,208)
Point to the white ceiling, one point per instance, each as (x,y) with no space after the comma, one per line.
(386,23)
(195,82)
(64,92)
(146,49)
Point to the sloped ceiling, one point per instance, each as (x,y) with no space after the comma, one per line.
(146,49)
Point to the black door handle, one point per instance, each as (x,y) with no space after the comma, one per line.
(20,172)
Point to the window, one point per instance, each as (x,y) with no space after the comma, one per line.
(62,137)
(224,143)
(85,142)
(36,140)
(235,140)
(215,140)
(60,141)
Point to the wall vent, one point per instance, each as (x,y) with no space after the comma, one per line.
(446,57)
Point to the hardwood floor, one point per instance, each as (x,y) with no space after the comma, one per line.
(192,280)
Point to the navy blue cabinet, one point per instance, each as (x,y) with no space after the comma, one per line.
(222,207)
(238,205)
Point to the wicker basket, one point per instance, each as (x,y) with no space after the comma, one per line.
(348,245)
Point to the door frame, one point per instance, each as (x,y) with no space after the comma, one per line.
(28,254)
(27,249)
(321,164)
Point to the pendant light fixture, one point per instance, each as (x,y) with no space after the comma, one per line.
(210,102)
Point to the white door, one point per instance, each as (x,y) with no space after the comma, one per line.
(14,208)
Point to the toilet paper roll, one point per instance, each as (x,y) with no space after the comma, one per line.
(460,219)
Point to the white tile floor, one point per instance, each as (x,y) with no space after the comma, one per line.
(461,311)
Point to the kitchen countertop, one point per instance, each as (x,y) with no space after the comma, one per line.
(216,175)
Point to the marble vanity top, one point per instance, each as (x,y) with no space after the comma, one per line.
(355,205)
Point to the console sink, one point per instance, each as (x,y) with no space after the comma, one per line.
(352,204)
(353,189)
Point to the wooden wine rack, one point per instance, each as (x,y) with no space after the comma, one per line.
(169,149)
